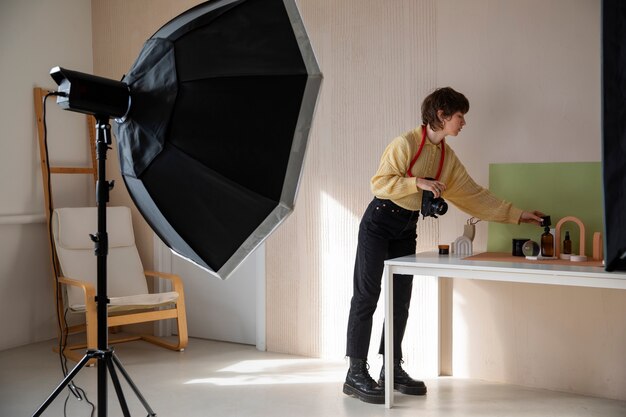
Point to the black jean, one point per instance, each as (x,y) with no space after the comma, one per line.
(386,231)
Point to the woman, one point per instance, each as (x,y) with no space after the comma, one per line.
(416,161)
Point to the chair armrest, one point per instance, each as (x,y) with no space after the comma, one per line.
(90,304)
(88,288)
(177,283)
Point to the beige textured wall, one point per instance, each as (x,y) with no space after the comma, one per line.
(378,60)
(531,69)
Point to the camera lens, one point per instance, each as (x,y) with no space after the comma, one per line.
(439,206)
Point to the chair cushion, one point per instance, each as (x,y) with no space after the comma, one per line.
(135,302)
(75,224)
(75,250)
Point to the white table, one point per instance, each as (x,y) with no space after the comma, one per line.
(451,266)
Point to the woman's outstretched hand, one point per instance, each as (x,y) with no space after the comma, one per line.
(532,218)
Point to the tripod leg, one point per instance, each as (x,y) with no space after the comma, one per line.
(118,387)
(132,385)
(64,383)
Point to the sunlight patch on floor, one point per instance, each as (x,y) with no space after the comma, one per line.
(273,372)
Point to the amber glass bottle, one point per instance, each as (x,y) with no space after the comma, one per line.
(567,244)
(547,243)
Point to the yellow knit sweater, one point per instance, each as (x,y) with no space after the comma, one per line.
(392,183)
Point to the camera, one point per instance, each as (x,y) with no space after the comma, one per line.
(432,206)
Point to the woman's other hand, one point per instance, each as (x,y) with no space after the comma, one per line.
(436,187)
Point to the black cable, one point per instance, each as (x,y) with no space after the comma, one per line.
(62,340)
(78,392)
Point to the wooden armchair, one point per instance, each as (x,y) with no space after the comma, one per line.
(73,252)
(130,300)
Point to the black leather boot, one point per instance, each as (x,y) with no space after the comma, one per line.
(359,383)
(402,381)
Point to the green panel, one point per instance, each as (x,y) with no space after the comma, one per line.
(556,189)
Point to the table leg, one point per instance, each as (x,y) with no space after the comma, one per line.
(388,357)
(445,326)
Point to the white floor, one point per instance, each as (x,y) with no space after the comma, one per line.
(222,379)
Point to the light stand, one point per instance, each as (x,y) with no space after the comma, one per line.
(106,358)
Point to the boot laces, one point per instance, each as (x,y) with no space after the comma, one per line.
(364,369)
(399,371)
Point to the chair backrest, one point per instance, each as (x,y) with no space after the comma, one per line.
(71,228)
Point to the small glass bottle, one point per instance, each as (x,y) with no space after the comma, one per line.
(547,243)
(567,245)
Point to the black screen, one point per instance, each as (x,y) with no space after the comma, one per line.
(614,131)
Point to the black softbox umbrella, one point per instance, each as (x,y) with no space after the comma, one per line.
(211,151)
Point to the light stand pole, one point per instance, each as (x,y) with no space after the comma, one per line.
(106,358)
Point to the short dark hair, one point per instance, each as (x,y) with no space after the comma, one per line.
(445,99)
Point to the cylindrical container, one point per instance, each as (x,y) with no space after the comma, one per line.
(517,247)
(567,244)
(547,243)
(444,249)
